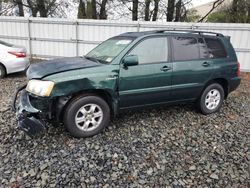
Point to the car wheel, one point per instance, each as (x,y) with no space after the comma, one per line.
(211,99)
(2,71)
(86,116)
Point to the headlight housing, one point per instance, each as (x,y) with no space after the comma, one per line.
(40,87)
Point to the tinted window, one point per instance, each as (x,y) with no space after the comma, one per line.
(185,48)
(151,50)
(216,48)
(204,54)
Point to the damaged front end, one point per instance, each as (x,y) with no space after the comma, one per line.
(28,117)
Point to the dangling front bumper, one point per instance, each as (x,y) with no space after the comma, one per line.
(27,116)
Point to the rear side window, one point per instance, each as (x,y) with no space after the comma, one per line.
(151,50)
(204,54)
(185,48)
(215,48)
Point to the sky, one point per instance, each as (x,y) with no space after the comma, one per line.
(200,2)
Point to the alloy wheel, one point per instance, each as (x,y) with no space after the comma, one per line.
(89,117)
(212,99)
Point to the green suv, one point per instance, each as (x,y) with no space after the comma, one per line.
(135,69)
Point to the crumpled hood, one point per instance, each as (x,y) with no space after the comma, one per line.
(45,68)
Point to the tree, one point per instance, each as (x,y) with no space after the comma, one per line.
(218,17)
(236,12)
(147,10)
(170,10)
(156,9)
(43,7)
(91,10)
(215,5)
(93,6)
(135,10)
(19,4)
(81,10)
(178,11)
(191,16)
(103,13)
(33,8)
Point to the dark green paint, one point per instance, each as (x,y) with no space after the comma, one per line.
(130,60)
(148,84)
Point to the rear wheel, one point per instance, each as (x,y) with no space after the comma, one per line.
(2,71)
(86,116)
(211,99)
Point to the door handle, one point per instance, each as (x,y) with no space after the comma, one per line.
(205,64)
(165,68)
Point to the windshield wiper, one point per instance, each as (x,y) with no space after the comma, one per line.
(96,60)
(92,59)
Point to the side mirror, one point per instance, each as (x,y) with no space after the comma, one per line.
(130,60)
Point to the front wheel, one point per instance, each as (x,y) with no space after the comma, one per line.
(86,116)
(211,99)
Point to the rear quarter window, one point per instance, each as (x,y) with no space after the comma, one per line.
(216,48)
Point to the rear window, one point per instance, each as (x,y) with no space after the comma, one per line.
(215,48)
(185,48)
(6,44)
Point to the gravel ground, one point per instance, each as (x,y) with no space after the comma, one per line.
(168,146)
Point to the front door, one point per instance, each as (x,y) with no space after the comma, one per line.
(149,82)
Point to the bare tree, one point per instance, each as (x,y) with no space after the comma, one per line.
(170,10)
(215,5)
(147,10)
(178,11)
(32,6)
(248,10)
(135,10)
(81,10)
(103,13)
(94,12)
(41,8)
(156,9)
(19,4)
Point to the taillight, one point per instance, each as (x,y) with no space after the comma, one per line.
(238,69)
(18,54)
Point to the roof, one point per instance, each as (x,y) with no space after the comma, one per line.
(139,34)
(136,34)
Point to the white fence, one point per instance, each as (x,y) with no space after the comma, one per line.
(46,37)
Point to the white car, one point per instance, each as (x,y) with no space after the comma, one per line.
(12,59)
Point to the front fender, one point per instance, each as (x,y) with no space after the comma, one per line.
(76,82)
(71,82)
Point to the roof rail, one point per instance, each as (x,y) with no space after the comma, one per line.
(189,31)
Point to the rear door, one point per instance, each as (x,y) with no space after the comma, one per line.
(192,67)
(149,82)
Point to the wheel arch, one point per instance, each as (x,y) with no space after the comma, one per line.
(64,101)
(222,81)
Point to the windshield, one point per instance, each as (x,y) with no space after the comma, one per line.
(109,49)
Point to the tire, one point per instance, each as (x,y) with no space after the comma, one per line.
(211,99)
(2,71)
(86,116)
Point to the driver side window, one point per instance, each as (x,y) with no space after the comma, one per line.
(151,50)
